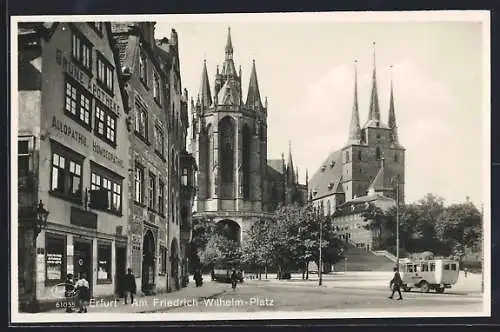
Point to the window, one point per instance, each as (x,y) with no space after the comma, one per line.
(82,51)
(105,73)
(97,26)
(23,166)
(347,159)
(141,122)
(111,188)
(396,157)
(159,141)
(409,268)
(425,267)
(446,267)
(152,191)
(163,260)
(453,267)
(433,267)
(77,103)
(143,72)
(55,260)
(360,155)
(156,88)
(104,262)
(161,197)
(139,184)
(105,124)
(378,153)
(66,177)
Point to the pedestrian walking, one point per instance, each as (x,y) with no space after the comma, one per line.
(198,278)
(465,272)
(69,292)
(83,292)
(129,286)
(234,279)
(396,284)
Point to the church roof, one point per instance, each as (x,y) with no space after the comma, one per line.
(276,164)
(381,182)
(273,174)
(326,180)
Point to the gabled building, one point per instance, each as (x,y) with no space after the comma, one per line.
(73,158)
(371,165)
(149,169)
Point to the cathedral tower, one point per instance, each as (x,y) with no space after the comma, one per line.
(229,141)
(372,145)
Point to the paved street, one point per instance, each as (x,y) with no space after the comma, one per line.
(339,292)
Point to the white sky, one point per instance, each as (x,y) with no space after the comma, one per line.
(305,67)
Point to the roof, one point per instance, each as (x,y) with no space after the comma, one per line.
(326,180)
(229,94)
(272,174)
(276,164)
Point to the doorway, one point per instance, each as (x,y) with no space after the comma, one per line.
(121,259)
(82,261)
(148,263)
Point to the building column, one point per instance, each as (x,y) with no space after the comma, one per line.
(113,265)
(215,178)
(94,263)
(237,163)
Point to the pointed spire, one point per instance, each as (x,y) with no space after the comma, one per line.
(206,95)
(229,43)
(392,115)
(374,113)
(253,96)
(355,130)
(290,169)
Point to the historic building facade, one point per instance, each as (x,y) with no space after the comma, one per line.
(181,175)
(148,124)
(229,142)
(72,157)
(369,168)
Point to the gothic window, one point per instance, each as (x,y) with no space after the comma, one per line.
(209,155)
(360,155)
(379,154)
(247,137)
(329,207)
(226,130)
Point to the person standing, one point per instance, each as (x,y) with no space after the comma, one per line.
(129,286)
(234,279)
(396,284)
(83,292)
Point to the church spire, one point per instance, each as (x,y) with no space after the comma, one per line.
(206,95)
(374,113)
(392,115)
(228,68)
(355,130)
(290,169)
(253,96)
(229,44)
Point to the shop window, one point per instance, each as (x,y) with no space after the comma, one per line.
(104,263)
(152,191)
(106,190)
(66,177)
(81,51)
(77,103)
(163,260)
(55,266)
(139,184)
(161,197)
(105,124)
(105,74)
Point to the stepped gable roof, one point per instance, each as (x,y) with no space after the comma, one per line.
(327,179)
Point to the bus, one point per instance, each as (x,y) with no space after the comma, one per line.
(427,275)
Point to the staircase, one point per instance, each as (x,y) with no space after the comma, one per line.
(358,259)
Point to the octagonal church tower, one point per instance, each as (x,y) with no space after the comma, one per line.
(229,140)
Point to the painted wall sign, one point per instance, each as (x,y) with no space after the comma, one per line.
(67,130)
(74,71)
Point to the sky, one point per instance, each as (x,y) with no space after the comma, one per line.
(305,66)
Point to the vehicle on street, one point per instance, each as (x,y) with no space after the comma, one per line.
(427,275)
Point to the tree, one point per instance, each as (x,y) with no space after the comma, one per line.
(377,221)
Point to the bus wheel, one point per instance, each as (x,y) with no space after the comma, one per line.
(440,290)
(424,287)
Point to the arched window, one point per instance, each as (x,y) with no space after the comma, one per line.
(360,155)
(246,145)
(226,156)
(379,154)
(209,165)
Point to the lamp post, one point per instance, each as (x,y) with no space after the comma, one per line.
(39,224)
(320,265)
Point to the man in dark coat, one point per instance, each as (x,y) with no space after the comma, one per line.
(396,284)
(129,286)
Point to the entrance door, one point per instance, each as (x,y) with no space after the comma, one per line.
(148,263)
(121,259)
(82,261)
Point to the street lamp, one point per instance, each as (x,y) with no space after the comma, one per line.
(39,224)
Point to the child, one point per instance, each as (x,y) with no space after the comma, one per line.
(83,291)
